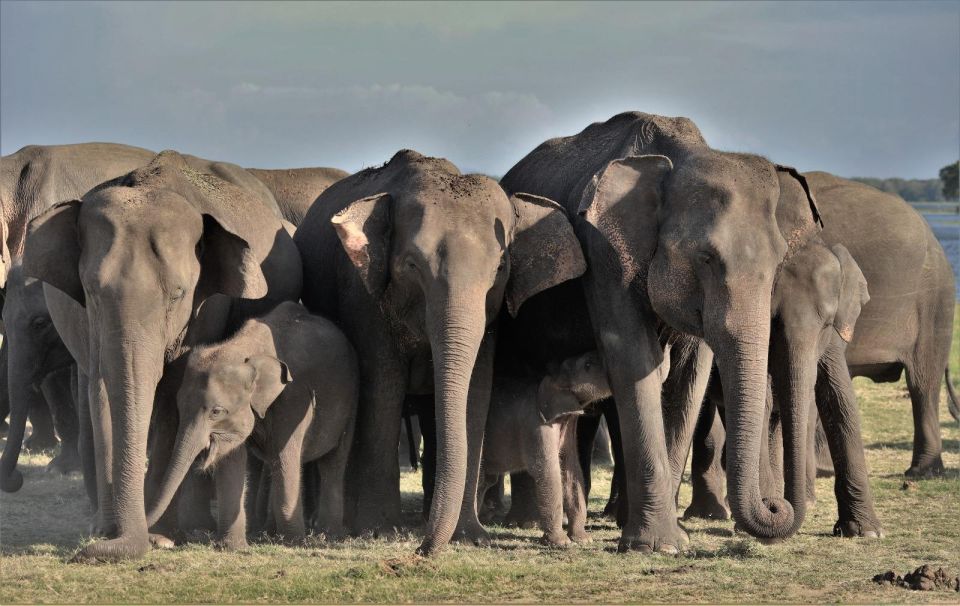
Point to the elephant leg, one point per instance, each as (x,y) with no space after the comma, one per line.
(492,489)
(707,477)
(636,380)
(57,388)
(285,495)
(254,471)
(43,436)
(311,489)
(587,426)
(100,419)
(469,527)
(333,469)
(822,450)
(193,505)
(427,420)
(230,478)
(574,496)
(924,387)
(837,405)
(85,440)
(616,506)
(548,486)
(373,489)
(683,392)
(523,511)
(262,513)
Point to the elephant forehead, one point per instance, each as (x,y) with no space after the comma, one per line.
(143,210)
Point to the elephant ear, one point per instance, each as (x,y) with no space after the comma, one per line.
(52,249)
(364,229)
(544,251)
(853,293)
(554,402)
(270,377)
(228,265)
(621,202)
(797,212)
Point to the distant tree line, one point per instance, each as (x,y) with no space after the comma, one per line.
(911,190)
(919,190)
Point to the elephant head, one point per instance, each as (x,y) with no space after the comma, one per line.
(574,385)
(442,252)
(145,254)
(35,351)
(705,239)
(219,401)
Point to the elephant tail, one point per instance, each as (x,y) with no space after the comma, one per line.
(953,403)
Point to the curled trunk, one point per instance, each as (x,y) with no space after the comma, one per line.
(742,358)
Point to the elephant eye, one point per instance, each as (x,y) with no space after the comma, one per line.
(705,257)
(503,263)
(218,411)
(39,322)
(177,294)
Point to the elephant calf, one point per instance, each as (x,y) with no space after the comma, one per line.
(532,427)
(288,382)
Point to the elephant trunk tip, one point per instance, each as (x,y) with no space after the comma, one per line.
(773,518)
(12,482)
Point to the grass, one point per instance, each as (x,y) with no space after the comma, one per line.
(41,526)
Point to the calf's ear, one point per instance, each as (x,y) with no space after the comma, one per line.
(270,377)
(555,402)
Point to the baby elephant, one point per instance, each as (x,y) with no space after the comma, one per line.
(532,427)
(286,385)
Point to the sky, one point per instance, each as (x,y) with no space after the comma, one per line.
(857,89)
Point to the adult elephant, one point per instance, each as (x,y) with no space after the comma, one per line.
(414,260)
(678,237)
(295,189)
(146,255)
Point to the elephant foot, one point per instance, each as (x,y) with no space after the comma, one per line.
(101,528)
(381,525)
(669,538)
(580,536)
(12,482)
(472,533)
(238,543)
(68,461)
(926,469)
(855,528)
(160,541)
(708,507)
(113,550)
(39,443)
(555,540)
(610,509)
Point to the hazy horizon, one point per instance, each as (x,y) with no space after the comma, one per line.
(857,89)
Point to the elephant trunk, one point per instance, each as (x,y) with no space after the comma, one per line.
(190,443)
(799,378)
(23,397)
(742,339)
(455,336)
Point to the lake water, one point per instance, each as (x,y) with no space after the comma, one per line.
(947,229)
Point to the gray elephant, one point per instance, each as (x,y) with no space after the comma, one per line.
(38,366)
(161,259)
(680,238)
(288,383)
(414,260)
(816,303)
(532,427)
(296,189)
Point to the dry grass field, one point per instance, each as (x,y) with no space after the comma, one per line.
(41,526)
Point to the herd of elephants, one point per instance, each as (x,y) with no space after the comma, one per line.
(235,350)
